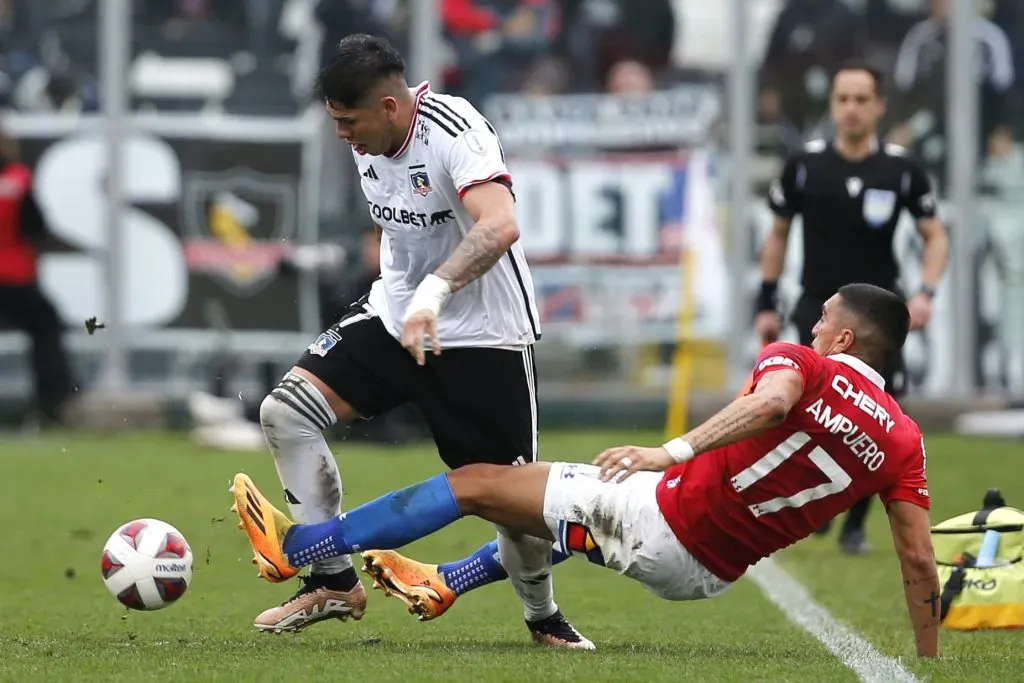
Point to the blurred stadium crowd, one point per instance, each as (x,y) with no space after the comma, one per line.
(257,58)
(261,54)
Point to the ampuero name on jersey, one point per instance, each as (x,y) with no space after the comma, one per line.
(406,217)
(860,443)
(833,419)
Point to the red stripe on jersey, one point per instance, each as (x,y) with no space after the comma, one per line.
(493,176)
(421,90)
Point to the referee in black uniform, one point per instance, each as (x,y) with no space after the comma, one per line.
(850,193)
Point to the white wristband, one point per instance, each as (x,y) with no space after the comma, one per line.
(680,450)
(431,295)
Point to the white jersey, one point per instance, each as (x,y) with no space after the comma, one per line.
(415,198)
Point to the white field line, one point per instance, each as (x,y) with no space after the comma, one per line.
(798,605)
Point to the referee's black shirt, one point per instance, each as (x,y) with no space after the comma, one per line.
(850,210)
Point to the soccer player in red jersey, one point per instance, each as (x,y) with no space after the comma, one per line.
(815,433)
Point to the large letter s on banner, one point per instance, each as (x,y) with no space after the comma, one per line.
(69,184)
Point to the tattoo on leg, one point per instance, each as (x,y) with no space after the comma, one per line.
(934,599)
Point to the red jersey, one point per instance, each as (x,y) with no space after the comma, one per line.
(17,255)
(844,440)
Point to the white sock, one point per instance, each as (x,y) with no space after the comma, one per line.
(293,417)
(528,562)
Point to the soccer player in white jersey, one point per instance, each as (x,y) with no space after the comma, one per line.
(450,326)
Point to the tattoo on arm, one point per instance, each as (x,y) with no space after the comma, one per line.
(769,381)
(479,250)
(742,418)
(724,424)
(934,599)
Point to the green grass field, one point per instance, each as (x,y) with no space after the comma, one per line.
(62,495)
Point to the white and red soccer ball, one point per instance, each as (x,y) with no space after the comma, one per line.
(146,564)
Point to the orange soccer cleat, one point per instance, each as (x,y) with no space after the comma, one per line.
(266,527)
(418,585)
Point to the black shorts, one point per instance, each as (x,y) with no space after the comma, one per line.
(480,403)
(805,316)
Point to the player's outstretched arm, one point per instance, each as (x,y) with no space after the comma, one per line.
(491,206)
(774,396)
(912,537)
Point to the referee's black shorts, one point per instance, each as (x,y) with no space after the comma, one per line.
(480,403)
(805,316)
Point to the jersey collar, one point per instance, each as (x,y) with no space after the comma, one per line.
(861,367)
(418,92)
(873,149)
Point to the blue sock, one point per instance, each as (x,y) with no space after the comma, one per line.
(480,569)
(391,521)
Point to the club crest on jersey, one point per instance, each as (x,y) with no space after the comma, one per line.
(420,180)
(878,206)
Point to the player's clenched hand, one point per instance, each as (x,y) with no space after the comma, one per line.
(418,327)
(622,461)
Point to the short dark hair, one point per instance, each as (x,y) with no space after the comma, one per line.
(870,69)
(360,62)
(886,317)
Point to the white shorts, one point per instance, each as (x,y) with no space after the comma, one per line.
(620,526)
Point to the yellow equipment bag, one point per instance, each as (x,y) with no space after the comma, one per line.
(985,597)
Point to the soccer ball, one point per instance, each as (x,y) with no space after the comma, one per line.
(146,564)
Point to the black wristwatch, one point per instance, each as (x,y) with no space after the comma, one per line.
(928,291)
